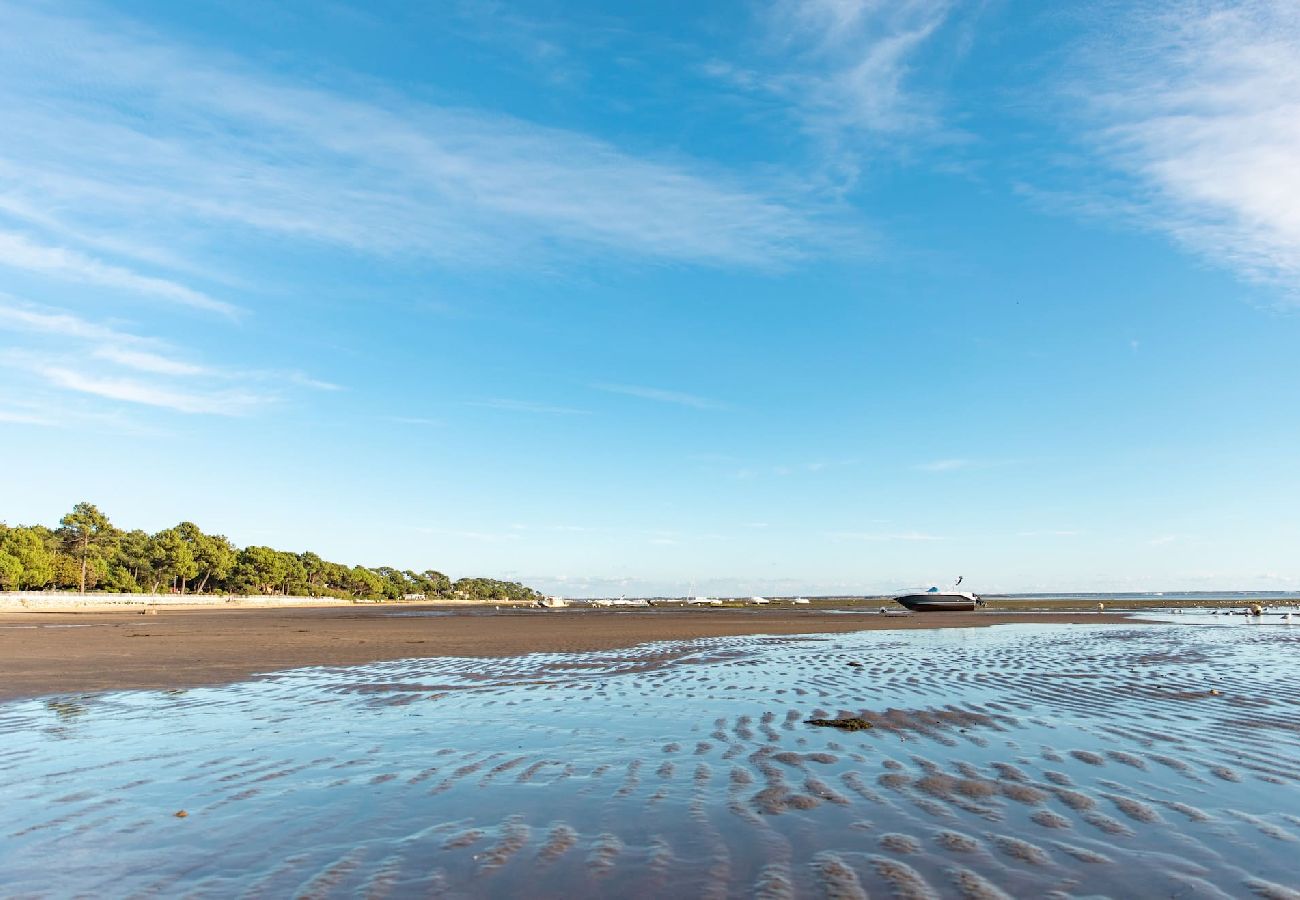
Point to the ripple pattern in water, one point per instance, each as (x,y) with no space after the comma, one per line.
(1009,761)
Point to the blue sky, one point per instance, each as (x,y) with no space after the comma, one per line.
(780,297)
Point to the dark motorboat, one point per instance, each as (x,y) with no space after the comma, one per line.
(934,600)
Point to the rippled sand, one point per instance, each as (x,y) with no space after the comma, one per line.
(1012,761)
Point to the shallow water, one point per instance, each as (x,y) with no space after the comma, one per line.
(1020,760)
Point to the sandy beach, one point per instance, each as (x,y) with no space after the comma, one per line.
(1090,759)
(61,653)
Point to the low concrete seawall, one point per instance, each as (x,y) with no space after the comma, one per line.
(71,601)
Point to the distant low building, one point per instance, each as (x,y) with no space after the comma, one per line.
(413,596)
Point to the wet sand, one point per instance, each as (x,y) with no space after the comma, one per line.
(1020,761)
(67,653)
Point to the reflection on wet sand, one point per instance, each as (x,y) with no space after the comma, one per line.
(1013,761)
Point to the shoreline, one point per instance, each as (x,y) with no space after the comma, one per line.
(54,654)
(71,602)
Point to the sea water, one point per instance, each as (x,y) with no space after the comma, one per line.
(1122,760)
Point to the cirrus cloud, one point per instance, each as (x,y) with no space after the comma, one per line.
(123,125)
(1197,107)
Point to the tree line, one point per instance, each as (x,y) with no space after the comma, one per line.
(87,552)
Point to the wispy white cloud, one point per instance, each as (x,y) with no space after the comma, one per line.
(17,316)
(149,394)
(15,417)
(301,379)
(104,238)
(659,395)
(526,406)
(541,43)
(863,49)
(121,125)
(75,355)
(1197,106)
(159,364)
(46,407)
(19,252)
(845,69)
(146,361)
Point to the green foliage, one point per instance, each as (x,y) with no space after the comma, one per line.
(173,558)
(118,580)
(131,565)
(294,580)
(214,555)
(435,582)
(11,572)
(84,532)
(490,590)
(313,568)
(27,562)
(67,572)
(361,582)
(258,570)
(87,551)
(335,576)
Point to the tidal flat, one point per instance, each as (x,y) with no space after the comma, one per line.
(1014,760)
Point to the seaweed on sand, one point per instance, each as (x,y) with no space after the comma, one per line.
(851,723)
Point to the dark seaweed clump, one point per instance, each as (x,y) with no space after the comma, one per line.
(852,723)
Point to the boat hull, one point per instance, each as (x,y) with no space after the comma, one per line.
(937,602)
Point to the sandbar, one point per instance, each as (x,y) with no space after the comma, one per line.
(44,654)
